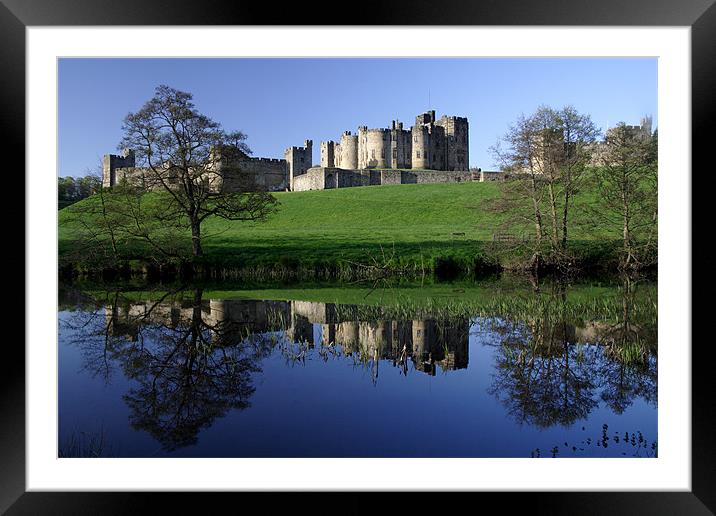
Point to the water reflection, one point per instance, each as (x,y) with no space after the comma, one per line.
(547,373)
(190,359)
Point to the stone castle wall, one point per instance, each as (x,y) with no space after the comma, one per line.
(255,174)
(238,174)
(323,178)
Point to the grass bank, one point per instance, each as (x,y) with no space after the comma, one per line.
(448,228)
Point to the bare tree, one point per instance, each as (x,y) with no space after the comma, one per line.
(522,199)
(182,151)
(579,134)
(564,140)
(547,152)
(119,224)
(627,182)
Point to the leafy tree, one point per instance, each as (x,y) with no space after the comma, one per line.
(182,151)
(71,190)
(627,182)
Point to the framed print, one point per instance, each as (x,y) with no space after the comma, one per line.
(421,251)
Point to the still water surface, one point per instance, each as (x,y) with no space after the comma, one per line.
(485,372)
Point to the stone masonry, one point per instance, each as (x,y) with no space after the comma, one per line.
(233,171)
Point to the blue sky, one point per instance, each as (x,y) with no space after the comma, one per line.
(282,102)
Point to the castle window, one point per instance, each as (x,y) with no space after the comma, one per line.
(382,153)
(417,154)
(372,153)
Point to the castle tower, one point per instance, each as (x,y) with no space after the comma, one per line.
(376,151)
(328,154)
(400,146)
(645,124)
(298,160)
(421,146)
(425,118)
(111,162)
(428,142)
(456,142)
(363,146)
(348,151)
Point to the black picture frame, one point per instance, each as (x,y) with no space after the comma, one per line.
(16,15)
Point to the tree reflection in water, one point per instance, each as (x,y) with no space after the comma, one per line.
(550,371)
(188,369)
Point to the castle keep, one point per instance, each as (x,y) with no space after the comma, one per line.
(431,151)
(430,144)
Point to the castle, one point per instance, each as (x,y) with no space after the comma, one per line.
(431,151)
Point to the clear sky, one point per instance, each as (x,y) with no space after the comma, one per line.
(279,103)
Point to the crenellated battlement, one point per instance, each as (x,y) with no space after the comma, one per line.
(266,160)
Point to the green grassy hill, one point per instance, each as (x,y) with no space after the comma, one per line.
(422,223)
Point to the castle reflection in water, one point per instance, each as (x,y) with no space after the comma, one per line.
(428,343)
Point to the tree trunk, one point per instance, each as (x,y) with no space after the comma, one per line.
(196,238)
(625,231)
(537,251)
(553,213)
(565,222)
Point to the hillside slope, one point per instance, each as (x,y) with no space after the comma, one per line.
(420,222)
